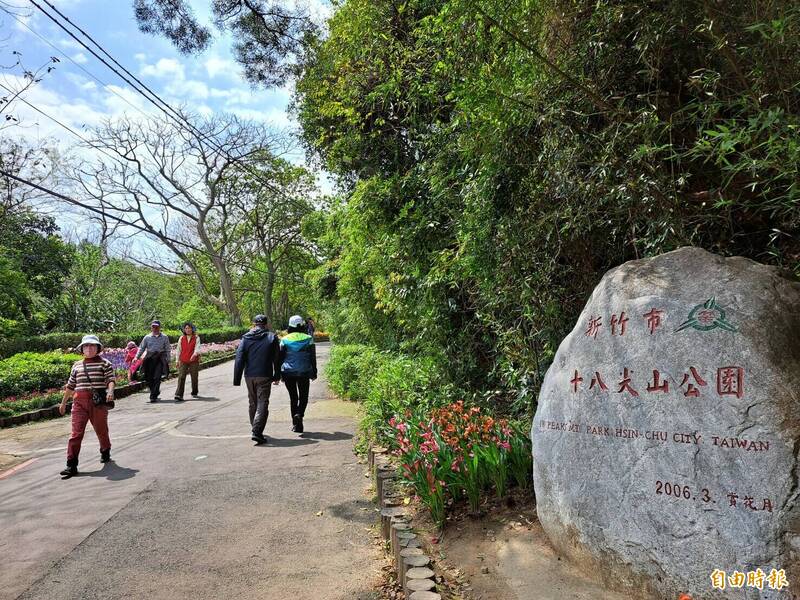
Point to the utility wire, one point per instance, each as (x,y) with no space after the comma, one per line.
(183,121)
(67,127)
(105,85)
(88,207)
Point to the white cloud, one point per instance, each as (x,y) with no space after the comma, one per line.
(140,56)
(221,66)
(165,67)
(80,58)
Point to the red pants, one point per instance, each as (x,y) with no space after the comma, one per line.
(84,411)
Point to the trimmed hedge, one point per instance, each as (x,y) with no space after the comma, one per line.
(56,341)
(34,372)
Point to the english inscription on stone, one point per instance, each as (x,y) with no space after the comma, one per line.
(667,432)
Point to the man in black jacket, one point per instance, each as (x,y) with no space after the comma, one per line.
(258,358)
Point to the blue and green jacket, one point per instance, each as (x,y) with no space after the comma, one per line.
(298,356)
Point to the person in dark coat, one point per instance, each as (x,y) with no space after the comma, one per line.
(298,367)
(257,358)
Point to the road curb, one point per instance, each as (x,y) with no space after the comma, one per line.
(51,412)
(410,560)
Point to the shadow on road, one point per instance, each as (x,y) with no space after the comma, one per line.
(285,443)
(324,436)
(113,472)
(203,399)
(359,511)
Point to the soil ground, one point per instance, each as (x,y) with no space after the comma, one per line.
(505,555)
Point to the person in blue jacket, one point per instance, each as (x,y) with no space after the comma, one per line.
(298,357)
(258,358)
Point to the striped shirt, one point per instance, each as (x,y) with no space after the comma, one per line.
(100,372)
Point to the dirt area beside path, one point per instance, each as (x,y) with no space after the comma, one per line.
(505,555)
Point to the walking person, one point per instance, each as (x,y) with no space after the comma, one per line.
(298,368)
(187,360)
(311,327)
(154,351)
(91,388)
(257,358)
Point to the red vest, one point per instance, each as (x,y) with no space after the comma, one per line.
(187,349)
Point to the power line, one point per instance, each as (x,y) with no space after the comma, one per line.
(235,160)
(69,58)
(90,208)
(67,127)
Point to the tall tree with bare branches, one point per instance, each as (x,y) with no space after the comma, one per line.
(175,183)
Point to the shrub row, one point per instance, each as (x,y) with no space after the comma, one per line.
(34,372)
(387,384)
(56,341)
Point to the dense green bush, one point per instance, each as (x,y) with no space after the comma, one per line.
(34,372)
(387,384)
(56,341)
(497,157)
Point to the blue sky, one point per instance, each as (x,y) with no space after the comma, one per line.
(207,83)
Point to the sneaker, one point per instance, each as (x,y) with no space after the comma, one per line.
(178,399)
(153,400)
(258,439)
(299,426)
(105,455)
(69,472)
(195,395)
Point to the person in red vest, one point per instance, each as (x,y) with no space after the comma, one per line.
(187,359)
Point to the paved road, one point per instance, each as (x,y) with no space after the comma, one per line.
(190,507)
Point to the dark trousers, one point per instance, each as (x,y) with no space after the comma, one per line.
(183,369)
(153,370)
(258,390)
(298,394)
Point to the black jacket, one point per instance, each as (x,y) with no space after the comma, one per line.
(257,356)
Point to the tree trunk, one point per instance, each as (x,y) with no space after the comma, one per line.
(226,286)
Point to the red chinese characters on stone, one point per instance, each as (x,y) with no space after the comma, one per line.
(653,318)
(691,390)
(658,385)
(618,321)
(730,381)
(594,326)
(625,384)
(597,380)
(575,381)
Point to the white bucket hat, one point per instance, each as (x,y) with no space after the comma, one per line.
(296,321)
(88,339)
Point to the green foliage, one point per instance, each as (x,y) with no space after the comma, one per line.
(385,383)
(61,341)
(496,158)
(34,401)
(34,372)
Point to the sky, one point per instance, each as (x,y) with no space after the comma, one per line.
(207,83)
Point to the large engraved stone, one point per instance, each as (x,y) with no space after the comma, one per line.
(667,433)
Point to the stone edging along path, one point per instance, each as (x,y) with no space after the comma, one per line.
(122,391)
(413,566)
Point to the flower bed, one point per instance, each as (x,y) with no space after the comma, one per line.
(459,453)
(57,341)
(51,396)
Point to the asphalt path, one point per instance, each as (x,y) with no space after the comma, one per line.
(189,507)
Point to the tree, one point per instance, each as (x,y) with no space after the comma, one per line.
(271,226)
(177,183)
(269,36)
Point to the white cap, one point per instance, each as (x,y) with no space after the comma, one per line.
(296,321)
(89,339)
